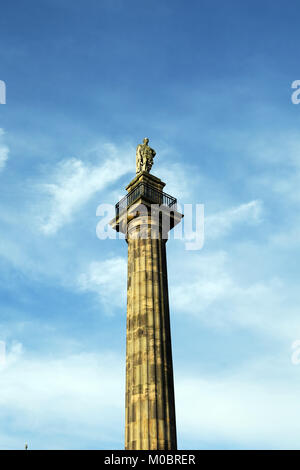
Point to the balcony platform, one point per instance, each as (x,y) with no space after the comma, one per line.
(145,189)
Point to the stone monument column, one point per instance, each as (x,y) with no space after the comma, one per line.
(150,406)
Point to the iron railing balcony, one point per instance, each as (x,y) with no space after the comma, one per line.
(148,192)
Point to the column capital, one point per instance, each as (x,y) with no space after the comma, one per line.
(145,197)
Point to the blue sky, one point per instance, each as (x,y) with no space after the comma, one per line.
(209,82)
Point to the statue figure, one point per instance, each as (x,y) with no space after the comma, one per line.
(144,157)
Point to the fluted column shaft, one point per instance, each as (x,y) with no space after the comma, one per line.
(150,407)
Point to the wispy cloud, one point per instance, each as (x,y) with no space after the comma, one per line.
(74,181)
(276,159)
(217,295)
(107,279)
(4,150)
(63,399)
(76,400)
(238,409)
(178,183)
(220,223)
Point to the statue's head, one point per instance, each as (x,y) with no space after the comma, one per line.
(146,140)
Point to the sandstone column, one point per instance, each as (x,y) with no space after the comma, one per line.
(150,406)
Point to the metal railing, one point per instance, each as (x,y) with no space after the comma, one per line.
(153,195)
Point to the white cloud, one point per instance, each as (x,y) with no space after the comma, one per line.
(73,182)
(209,287)
(242,410)
(4,150)
(63,401)
(75,400)
(277,158)
(175,175)
(286,238)
(108,280)
(221,223)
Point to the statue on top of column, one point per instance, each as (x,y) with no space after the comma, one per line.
(144,157)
